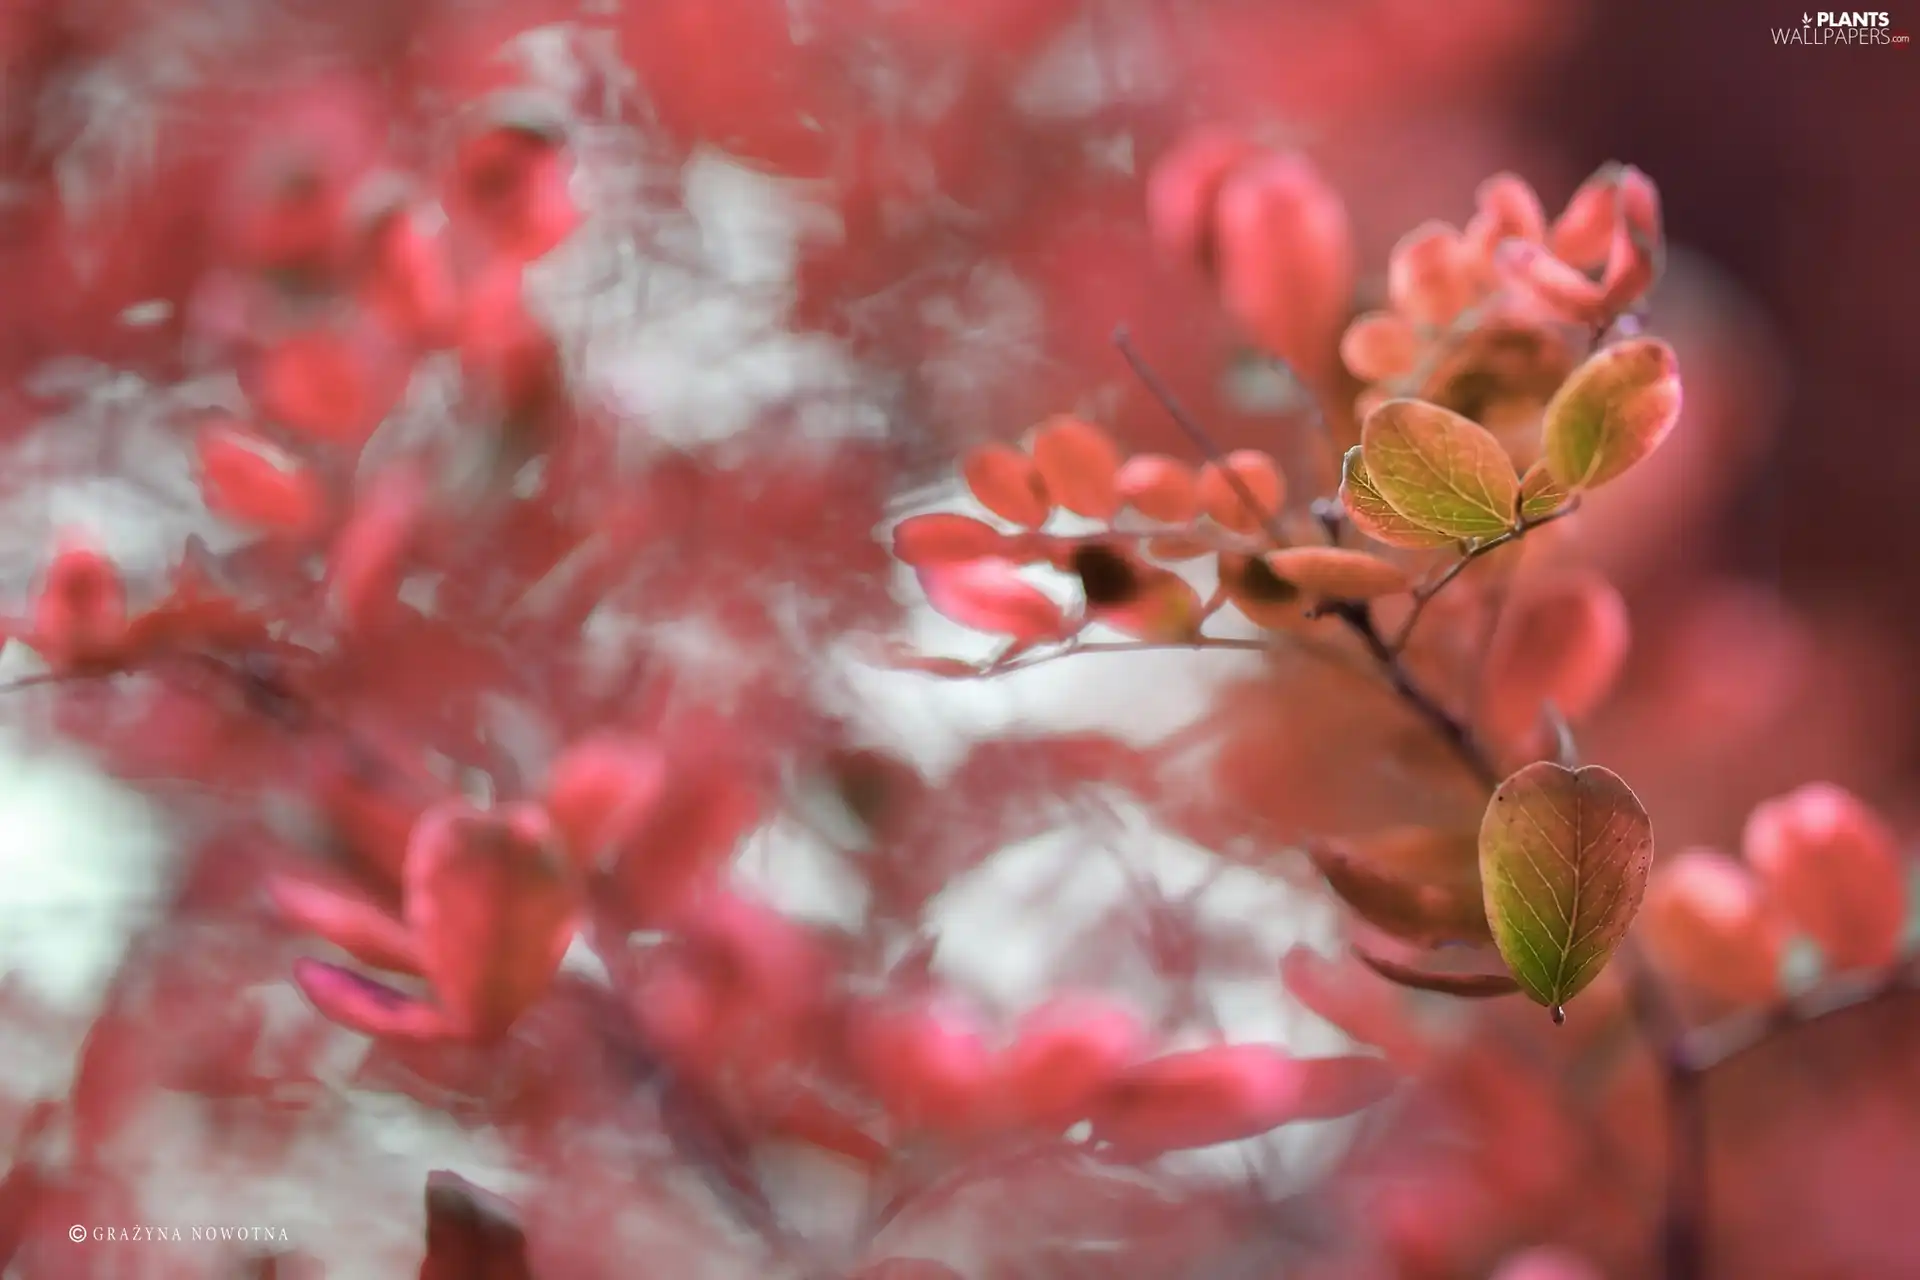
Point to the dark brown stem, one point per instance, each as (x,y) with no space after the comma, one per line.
(1357,615)
(1711,1047)
(1451,729)
(1683,1217)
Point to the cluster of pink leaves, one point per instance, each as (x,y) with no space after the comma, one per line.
(331,279)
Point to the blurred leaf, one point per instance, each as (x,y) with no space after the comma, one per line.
(1564,856)
(1440,469)
(1078,465)
(1337,574)
(990,595)
(1222,499)
(1229,1092)
(1160,488)
(1563,642)
(1613,411)
(1708,927)
(942,537)
(1469,985)
(1374,516)
(1415,883)
(1006,481)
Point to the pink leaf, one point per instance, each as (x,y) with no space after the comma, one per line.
(494,905)
(1064,1054)
(249,480)
(1832,866)
(361,1004)
(80,614)
(600,790)
(368,559)
(991,596)
(1230,1092)
(356,926)
(931,1065)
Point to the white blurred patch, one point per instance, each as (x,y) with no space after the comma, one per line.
(83,861)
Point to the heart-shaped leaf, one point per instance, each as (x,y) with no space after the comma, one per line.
(1613,412)
(1439,469)
(1564,857)
(1374,516)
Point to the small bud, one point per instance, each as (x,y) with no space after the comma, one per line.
(1637,253)
(1582,235)
(1535,272)
(1506,209)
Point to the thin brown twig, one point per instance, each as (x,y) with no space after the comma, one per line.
(1357,615)
(1422,595)
(1682,1234)
(1158,389)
